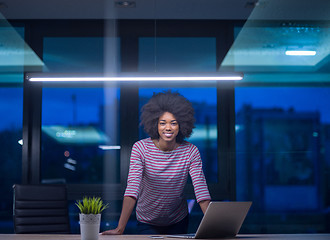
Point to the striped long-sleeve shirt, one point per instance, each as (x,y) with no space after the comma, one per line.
(157,180)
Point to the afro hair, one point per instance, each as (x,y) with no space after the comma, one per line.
(173,103)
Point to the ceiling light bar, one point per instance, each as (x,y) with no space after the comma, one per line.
(108,147)
(119,79)
(300,53)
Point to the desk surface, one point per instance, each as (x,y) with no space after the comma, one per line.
(147,237)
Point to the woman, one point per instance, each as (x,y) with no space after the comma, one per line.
(159,169)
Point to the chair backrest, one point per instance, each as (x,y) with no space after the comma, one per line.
(40,209)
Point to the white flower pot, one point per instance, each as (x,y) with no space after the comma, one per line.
(89,226)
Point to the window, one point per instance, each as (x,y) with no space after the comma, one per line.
(80,142)
(186,54)
(80,139)
(11,111)
(74,54)
(79,135)
(11,108)
(177,54)
(282,144)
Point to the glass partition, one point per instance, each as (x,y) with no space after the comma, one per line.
(79,135)
(177,54)
(186,54)
(11,110)
(13,56)
(282,157)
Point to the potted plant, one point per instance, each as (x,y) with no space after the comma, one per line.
(90,217)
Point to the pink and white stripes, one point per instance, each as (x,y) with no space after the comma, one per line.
(157,180)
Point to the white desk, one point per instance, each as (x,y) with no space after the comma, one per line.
(147,237)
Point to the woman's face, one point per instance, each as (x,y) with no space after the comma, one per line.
(168,127)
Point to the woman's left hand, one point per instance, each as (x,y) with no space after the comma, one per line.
(204,204)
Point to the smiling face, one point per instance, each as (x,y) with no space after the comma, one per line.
(168,127)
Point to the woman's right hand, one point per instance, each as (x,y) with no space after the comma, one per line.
(128,205)
(115,231)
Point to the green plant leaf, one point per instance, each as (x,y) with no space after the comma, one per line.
(91,205)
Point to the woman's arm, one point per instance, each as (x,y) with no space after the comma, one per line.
(128,206)
(132,189)
(198,179)
(204,204)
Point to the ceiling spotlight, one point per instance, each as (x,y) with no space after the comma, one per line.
(125,4)
(251,4)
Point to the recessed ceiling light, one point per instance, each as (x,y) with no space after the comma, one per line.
(251,4)
(125,4)
(300,53)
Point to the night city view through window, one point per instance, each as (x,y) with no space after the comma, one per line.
(11,150)
(77,131)
(83,113)
(282,134)
(282,147)
(283,155)
(282,152)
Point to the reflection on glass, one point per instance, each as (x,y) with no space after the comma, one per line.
(76,55)
(282,144)
(79,137)
(264,48)
(15,55)
(187,54)
(11,112)
(177,54)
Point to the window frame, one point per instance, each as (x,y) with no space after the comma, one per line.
(129,32)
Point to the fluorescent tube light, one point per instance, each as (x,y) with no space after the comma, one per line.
(44,77)
(118,79)
(300,53)
(108,147)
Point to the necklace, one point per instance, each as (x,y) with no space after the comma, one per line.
(169,150)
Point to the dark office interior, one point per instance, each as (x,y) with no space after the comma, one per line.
(265,138)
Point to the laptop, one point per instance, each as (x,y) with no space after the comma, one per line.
(221,220)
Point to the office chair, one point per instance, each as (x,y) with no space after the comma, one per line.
(40,209)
